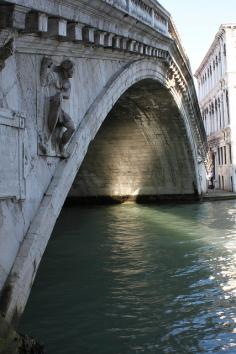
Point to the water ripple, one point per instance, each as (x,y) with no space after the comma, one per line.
(138,279)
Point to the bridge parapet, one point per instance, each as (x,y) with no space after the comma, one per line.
(147,11)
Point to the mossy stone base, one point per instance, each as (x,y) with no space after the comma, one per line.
(13,343)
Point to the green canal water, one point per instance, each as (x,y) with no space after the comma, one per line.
(129,279)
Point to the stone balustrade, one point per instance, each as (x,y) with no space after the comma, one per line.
(147,11)
(26,20)
(30,21)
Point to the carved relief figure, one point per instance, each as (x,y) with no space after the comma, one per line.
(5,52)
(56,79)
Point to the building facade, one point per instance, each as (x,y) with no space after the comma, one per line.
(216,78)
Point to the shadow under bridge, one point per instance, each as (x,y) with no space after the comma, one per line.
(141,151)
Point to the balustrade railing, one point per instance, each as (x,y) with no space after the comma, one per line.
(153,14)
(140,10)
(147,11)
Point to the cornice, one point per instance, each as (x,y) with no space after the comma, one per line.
(37,32)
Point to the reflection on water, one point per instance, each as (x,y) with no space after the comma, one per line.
(138,279)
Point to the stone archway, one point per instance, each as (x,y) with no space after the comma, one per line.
(20,280)
(141,151)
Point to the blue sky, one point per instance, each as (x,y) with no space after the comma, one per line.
(197,22)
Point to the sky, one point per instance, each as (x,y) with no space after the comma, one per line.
(197,22)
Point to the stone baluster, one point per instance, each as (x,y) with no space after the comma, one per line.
(153,17)
(128,5)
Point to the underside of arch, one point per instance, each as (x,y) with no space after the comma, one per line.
(141,151)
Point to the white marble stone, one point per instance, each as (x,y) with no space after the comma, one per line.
(102,74)
(216,77)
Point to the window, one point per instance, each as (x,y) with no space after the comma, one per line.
(225,155)
(230,154)
(219,156)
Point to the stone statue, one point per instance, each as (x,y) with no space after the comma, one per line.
(5,52)
(57,80)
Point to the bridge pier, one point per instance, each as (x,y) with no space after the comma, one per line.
(13,343)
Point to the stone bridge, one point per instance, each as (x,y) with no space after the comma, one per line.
(97,101)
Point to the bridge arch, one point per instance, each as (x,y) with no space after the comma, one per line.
(145,71)
(141,151)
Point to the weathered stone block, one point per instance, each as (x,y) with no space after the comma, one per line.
(57,27)
(74,31)
(12,16)
(36,22)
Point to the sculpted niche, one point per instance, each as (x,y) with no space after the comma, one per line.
(58,126)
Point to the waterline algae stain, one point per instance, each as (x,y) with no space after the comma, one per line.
(129,279)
